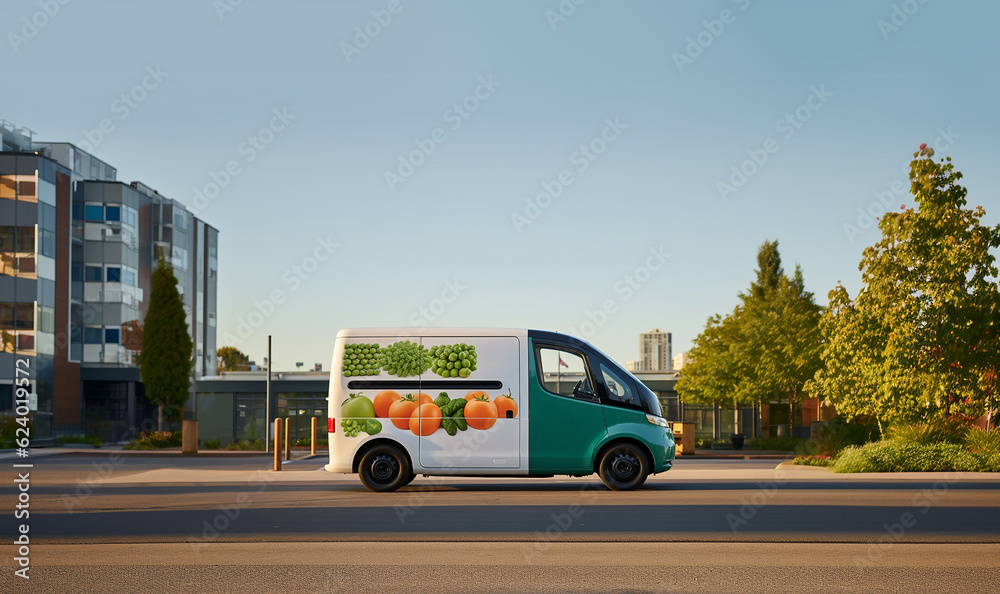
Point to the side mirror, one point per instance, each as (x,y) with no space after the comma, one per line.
(580,392)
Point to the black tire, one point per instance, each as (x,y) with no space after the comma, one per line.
(624,467)
(384,468)
(409,479)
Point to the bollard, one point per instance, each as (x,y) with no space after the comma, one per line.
(288,450)
(312,440)
(277,444)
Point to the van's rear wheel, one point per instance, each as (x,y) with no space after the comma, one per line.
(384,468)
(624,468)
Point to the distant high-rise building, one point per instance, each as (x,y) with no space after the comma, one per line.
(655,351)
(77,248)
(680,360)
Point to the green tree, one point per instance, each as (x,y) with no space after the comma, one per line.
(920,340)
(232,359)
(766,349)
(166,359)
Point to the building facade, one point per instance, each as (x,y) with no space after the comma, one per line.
(655,351)
(78,250)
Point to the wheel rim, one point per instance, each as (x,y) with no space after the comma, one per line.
(625,466)
(384,469)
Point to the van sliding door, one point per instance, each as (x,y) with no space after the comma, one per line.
(485,372)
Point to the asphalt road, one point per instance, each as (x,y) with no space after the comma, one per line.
(706,526)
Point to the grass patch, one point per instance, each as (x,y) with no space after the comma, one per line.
(816,460)
(70,439)
(256,445)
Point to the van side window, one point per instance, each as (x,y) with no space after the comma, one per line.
(560,371)
(617,389)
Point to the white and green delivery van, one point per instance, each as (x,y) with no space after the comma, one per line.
(488,402)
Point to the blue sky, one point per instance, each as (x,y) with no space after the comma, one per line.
(522,164)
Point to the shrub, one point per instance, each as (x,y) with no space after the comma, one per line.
(8,430)
(949,431)
(213,444)
(840,433)
(981,441)
(818,460)
(776,444)
(895,455)
(154,441)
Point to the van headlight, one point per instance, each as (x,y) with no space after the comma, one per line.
(659,421)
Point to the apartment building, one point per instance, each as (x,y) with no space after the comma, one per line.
(78,248)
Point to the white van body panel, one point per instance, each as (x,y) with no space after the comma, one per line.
(500,450)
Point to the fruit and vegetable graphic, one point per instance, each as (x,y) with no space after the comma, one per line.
(422,415)
(453,360)
(361,359)
(481,413)
(359,412)
(404,359)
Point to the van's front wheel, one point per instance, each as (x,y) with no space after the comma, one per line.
(624,468)
(384,468)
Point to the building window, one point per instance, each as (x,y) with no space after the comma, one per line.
(26,239)
(93,274)
(6,316)
(25,316)
(46,319)
(180,219)
(93,212)
(7,187)
(47,245)
(7,235)
(129,216)
(92,335)
(76,272)
(112,335)
(129,276)
(25,189)
(112,214)
(114,274)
